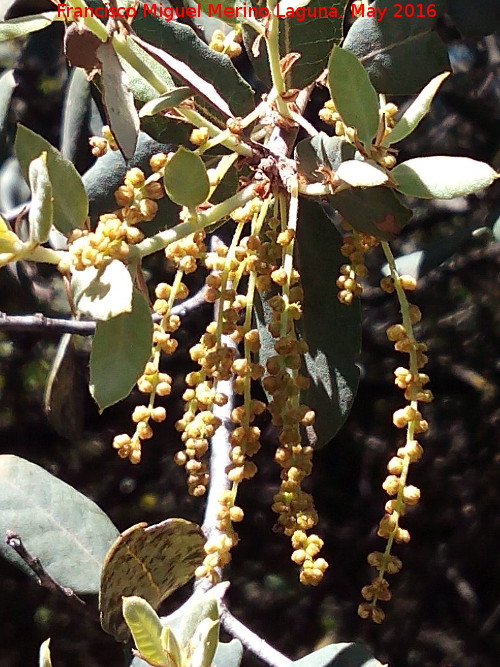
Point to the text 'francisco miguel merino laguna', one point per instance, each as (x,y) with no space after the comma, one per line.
(170,13)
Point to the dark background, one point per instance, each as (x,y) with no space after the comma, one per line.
(446,601)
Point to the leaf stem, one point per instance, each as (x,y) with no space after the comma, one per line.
(163,239)
(273,53)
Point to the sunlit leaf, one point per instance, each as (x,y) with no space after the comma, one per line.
(196,609)
(41,208)
(44,654)
(185,179)
(204,643)
(11,246)
(204,87)
(442,177)
(362,173)
(7,86)
(145,626)
(182,43)
(354,96)
(151,562)
(102,293)
(229,654)
(415,112)
(170,644)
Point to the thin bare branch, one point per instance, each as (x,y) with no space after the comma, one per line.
(252,641)
(44,579)
(38,323)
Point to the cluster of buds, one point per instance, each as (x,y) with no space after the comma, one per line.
(247,257)
(152,383)
(184,254)
(137,196)
(384,156)
(245,442)
(100,145)
(218,548)
(247,212)
(110,240)
(197,426)
(389,110)
(229,44)
(284,382)
(199,136)
(401,494)
(307,547)
(354,247)
(198,423)
(329,115)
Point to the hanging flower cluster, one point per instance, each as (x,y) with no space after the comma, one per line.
(401,494)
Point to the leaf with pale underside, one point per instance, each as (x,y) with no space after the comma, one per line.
(170,644)
(41,211)
(182,43)
(342,654)
(24,25)
(442,177)
(118,101)
(354,96)
(204,643)
(146,628)
(120,350)
(198,607)
(362,174)
(181,70)
(415,112)
(102,293)
(57,524)
(150,562)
